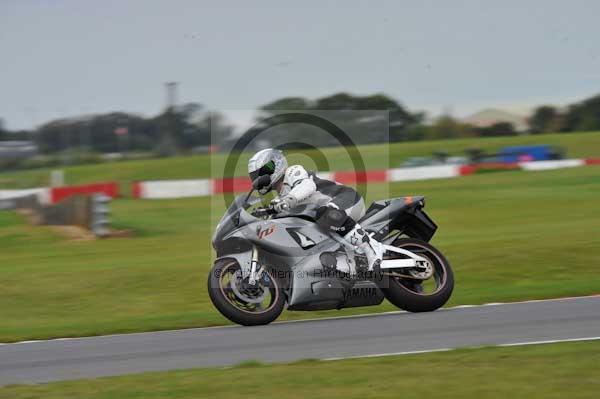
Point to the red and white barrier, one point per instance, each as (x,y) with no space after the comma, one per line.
(42,193)
(466,170)
(231,185)
(549,165)
(351,177)
(172,188)
(424,173)
(52,195)
(325,175)
(206,187)
(158,189)
(110,189)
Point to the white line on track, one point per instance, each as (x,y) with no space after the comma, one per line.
(305,320)
(332,359)
(442,309)
(552,341)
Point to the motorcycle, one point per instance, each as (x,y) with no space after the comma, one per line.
(266,261)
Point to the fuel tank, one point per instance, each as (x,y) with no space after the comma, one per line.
(290,236)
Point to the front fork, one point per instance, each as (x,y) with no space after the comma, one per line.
(254,275)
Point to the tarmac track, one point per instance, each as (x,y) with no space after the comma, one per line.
(356,336)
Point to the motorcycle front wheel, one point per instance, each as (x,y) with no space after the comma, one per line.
(241,302)
(420,295)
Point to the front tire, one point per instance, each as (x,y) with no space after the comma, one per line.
(409,294)
(241,303)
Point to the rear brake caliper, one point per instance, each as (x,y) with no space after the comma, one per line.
(423,269)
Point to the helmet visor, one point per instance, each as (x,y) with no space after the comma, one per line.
(266,169)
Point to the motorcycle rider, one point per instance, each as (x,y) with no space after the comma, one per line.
(339,207)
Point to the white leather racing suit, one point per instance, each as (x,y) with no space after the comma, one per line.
(301,187)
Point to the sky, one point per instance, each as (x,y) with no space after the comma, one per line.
(66,58)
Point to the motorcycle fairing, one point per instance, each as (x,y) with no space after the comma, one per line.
(238,235)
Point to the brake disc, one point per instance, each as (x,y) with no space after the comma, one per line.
(255,294)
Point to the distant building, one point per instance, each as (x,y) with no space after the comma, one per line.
(489,117)
(17,149)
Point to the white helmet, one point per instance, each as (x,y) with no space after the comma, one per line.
(270,162)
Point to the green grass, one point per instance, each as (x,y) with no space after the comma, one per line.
(567,370)
(375,156)
(509,236)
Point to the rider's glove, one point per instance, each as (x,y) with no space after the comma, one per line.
(282,204)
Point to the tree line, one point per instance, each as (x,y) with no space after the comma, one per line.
(581,116)
(191,127)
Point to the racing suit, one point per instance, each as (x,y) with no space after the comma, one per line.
(339,208)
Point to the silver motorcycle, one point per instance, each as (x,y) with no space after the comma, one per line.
(266,261)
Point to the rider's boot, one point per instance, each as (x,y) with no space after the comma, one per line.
(367,245)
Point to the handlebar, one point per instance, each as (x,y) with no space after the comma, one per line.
(264,211)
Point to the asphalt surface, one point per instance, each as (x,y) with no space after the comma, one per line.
(66,359)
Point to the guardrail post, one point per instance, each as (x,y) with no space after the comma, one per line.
(100,213)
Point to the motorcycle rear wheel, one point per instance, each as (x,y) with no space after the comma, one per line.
(243,303)
(408,294)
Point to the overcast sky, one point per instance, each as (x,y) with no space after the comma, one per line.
(64,58)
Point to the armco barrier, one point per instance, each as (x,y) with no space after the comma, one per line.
(59,193)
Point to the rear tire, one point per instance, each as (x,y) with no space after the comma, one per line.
(232,307)
(407,294)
